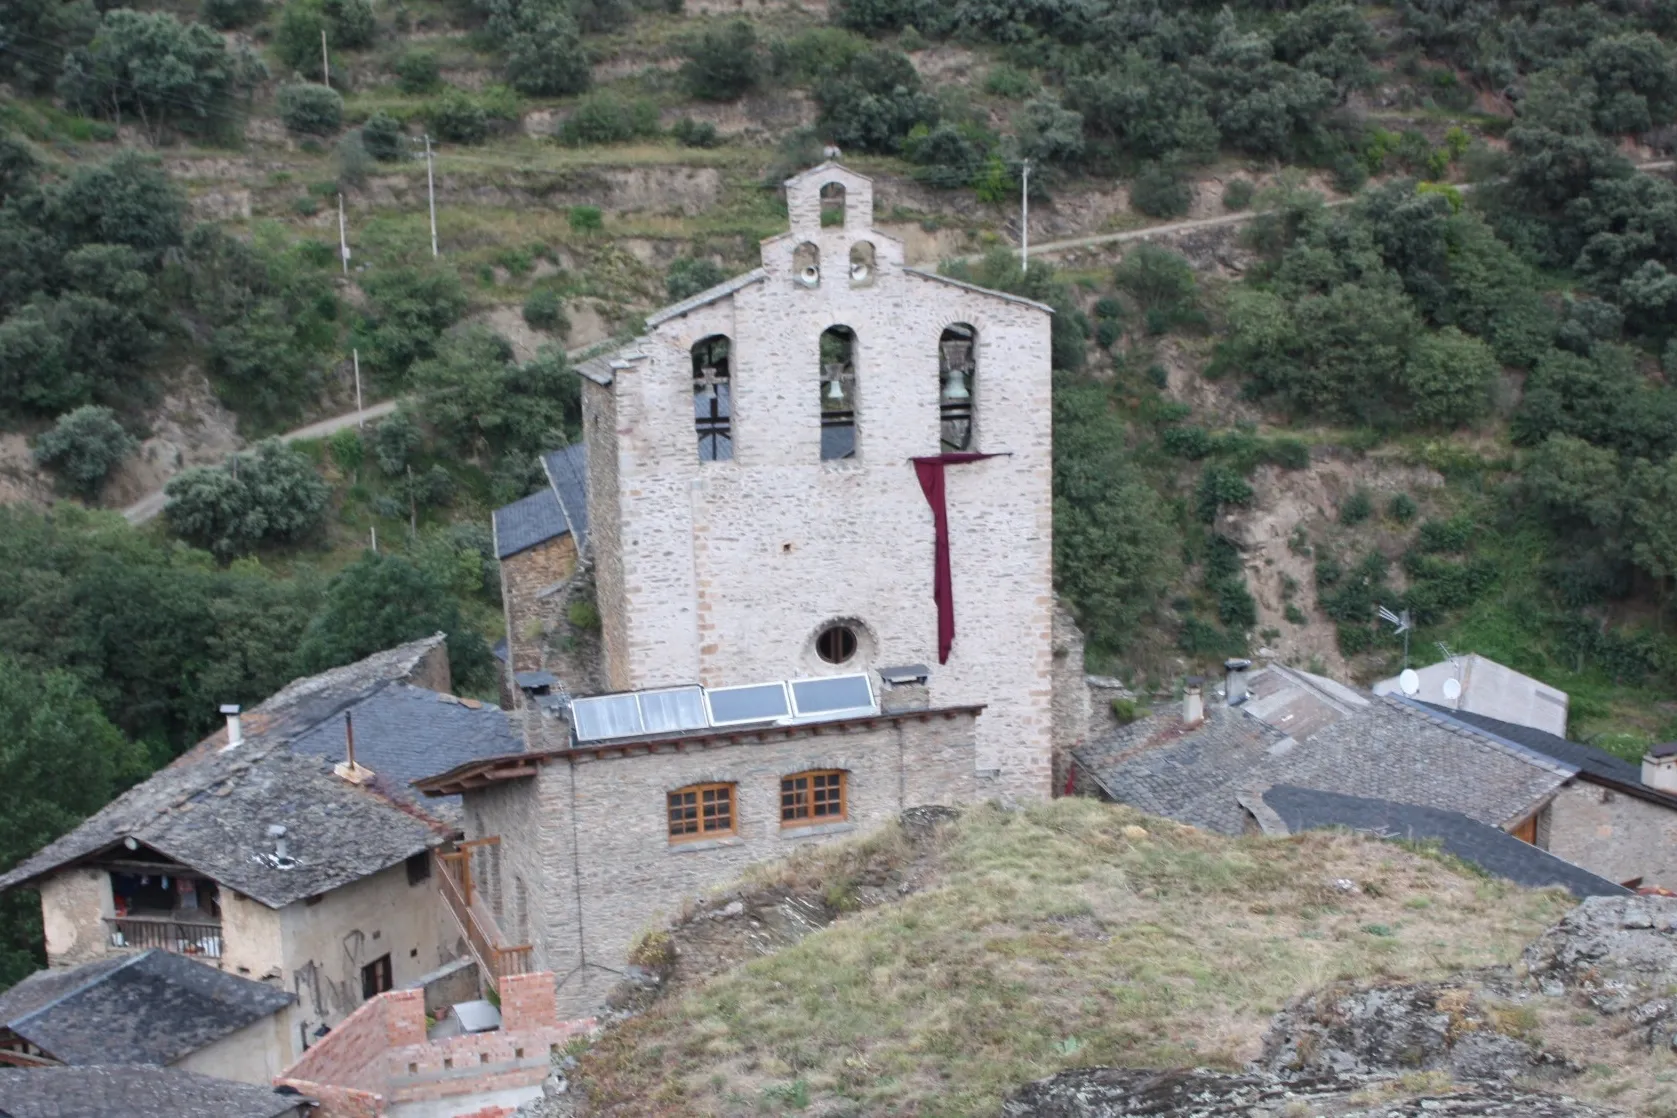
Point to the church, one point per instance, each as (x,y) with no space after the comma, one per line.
(812,512)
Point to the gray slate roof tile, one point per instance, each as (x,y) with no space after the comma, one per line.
(1492,849)
(527,522)
(567,472)
(150,1008)
(126,1091)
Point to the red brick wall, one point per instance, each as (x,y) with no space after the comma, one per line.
(529,1001)
(339,1102)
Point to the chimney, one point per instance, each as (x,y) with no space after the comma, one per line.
(1193,706)
(235,728)
(348,769)
(1659,767)
(1235,681)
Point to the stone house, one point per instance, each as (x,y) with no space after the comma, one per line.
(1474,684)
(138,1091)
(155,1008)
(288,847)
(539,541)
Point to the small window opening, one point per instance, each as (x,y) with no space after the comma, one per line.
(713,403)
(813,797)
(376,977)
(836,644)
(957,370)
(832,205)
(419,867)
(806,265)
(861,264)
(701,811)
(838,393)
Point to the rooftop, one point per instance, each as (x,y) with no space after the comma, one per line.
(559,508)
(211,809)
(1490,848)
(1301,729)
(150,1008)
(123,1091)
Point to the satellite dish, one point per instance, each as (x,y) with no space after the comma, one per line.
(1409,682)
(810,276)
(859,273)
(1452,689)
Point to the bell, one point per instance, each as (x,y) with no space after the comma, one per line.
(834,378)
(955,385)
(859,273)
(810,276)
(835,391)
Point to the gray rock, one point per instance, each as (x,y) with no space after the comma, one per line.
(1620,955)
(1198,1093)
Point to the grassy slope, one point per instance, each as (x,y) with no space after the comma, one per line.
(1068,934)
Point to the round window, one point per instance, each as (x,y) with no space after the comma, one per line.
(836,643)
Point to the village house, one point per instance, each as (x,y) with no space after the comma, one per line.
(539,541)
(1474,684)
(287,848)
(139,1091)
(1215,764)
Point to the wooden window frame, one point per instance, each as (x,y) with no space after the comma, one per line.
(697,791)
(806,798)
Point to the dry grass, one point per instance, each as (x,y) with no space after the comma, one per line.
(1054,937)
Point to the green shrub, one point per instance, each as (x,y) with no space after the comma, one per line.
(545,310)
(1447,536)
(1009,82)
(606,118)
(348,450)
(228,15)
(1289,454)
(583,615)
(309,109)
(875,102)
(417,71)
(542,45)
(1294,615)
(267,495)
(348,25)
(694,134)
(1401,508)
(457,118)
(1235,605)
(1237,194)
(1125,711)
(690,275)
(353,160)
(83,447)
(1107,333)
(586,219)
(1192,443)
(1161,191)
(723,62)
(384,138)
(1356,508)
(1220,485)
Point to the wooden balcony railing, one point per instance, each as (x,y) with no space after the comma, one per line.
(497,958)
(201,938)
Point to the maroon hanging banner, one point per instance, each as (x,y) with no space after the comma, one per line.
(930,472)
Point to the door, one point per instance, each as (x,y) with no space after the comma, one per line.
(376,977)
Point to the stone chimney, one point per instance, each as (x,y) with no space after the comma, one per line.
(235,728)
(1193,703)
(1659,767)
(347,769)
(1235,680)
(904,688)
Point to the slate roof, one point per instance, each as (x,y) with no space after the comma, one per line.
(211,809)
(150,1008)
(567,473)
(527,522)
(1386,749)
(1492,849)
(121,1091)
(705,298)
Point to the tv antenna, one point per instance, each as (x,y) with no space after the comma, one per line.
(1404,624)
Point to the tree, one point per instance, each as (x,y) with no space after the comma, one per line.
(265,368)
(60,761)
(265,496)
(151,66)
(384,137)
(408,309)
(348,25)
(396,440)
(128,200)
(1651,509)
(690,275)
(606,118)
(382,600)
(1578,486)
(722,62)
(418,71)
(310,109)
(875,102)
(455,118)
(545,310)
(545,56)
(482,404)
(1448,377)
(1048,132)
(83,447)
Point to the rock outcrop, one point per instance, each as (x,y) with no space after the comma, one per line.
(1620,955)
(1197,1093)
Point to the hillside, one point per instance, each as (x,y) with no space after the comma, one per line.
(969,957)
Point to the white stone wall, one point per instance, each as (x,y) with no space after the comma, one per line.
(729,569)
(74,905)
(254,1054)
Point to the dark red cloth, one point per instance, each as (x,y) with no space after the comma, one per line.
(930,472)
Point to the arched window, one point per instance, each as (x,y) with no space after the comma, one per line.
(702,811)
(832,204)
(957,371)
(813,797)
(838,393)
(806,265)
(861,264)
(713,400)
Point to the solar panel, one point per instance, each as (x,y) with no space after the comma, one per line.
(832,696)
(606,716)
(757,702)
(677,708)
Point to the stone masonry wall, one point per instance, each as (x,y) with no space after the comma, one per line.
(74,905)
(730,569)
(1613,835)
(524,577)
(1071,694)
(627,874)
(599,430)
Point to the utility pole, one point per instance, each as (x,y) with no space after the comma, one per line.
(431,192)
(325,65)
(374,529)
(343,235)
(360,420)
(1025,217)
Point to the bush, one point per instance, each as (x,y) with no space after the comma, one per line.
(395,440)
(606,118)
(1220,485)
(586,219)
(1161,191)
(1048,132)
(268,495)
(456,118)
(1450,536)
(83,447)
(1401,508)
(228,15)
(948,156)
(1190,442)
(690,275)
(544,310)
(722,62)
(417,71)
(408,309)
(694,134)
(309,109)
(1237,194)
(1356,508)
(1009,82)
(875,102)
(384,138)
(348,24)
(545,56)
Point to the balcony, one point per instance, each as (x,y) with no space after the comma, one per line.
(201,938)
(498,958)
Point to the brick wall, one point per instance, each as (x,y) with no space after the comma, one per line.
(337,1102)
(724,572)
(524,577)
(1613,835)
(625,876)
(1071,694)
